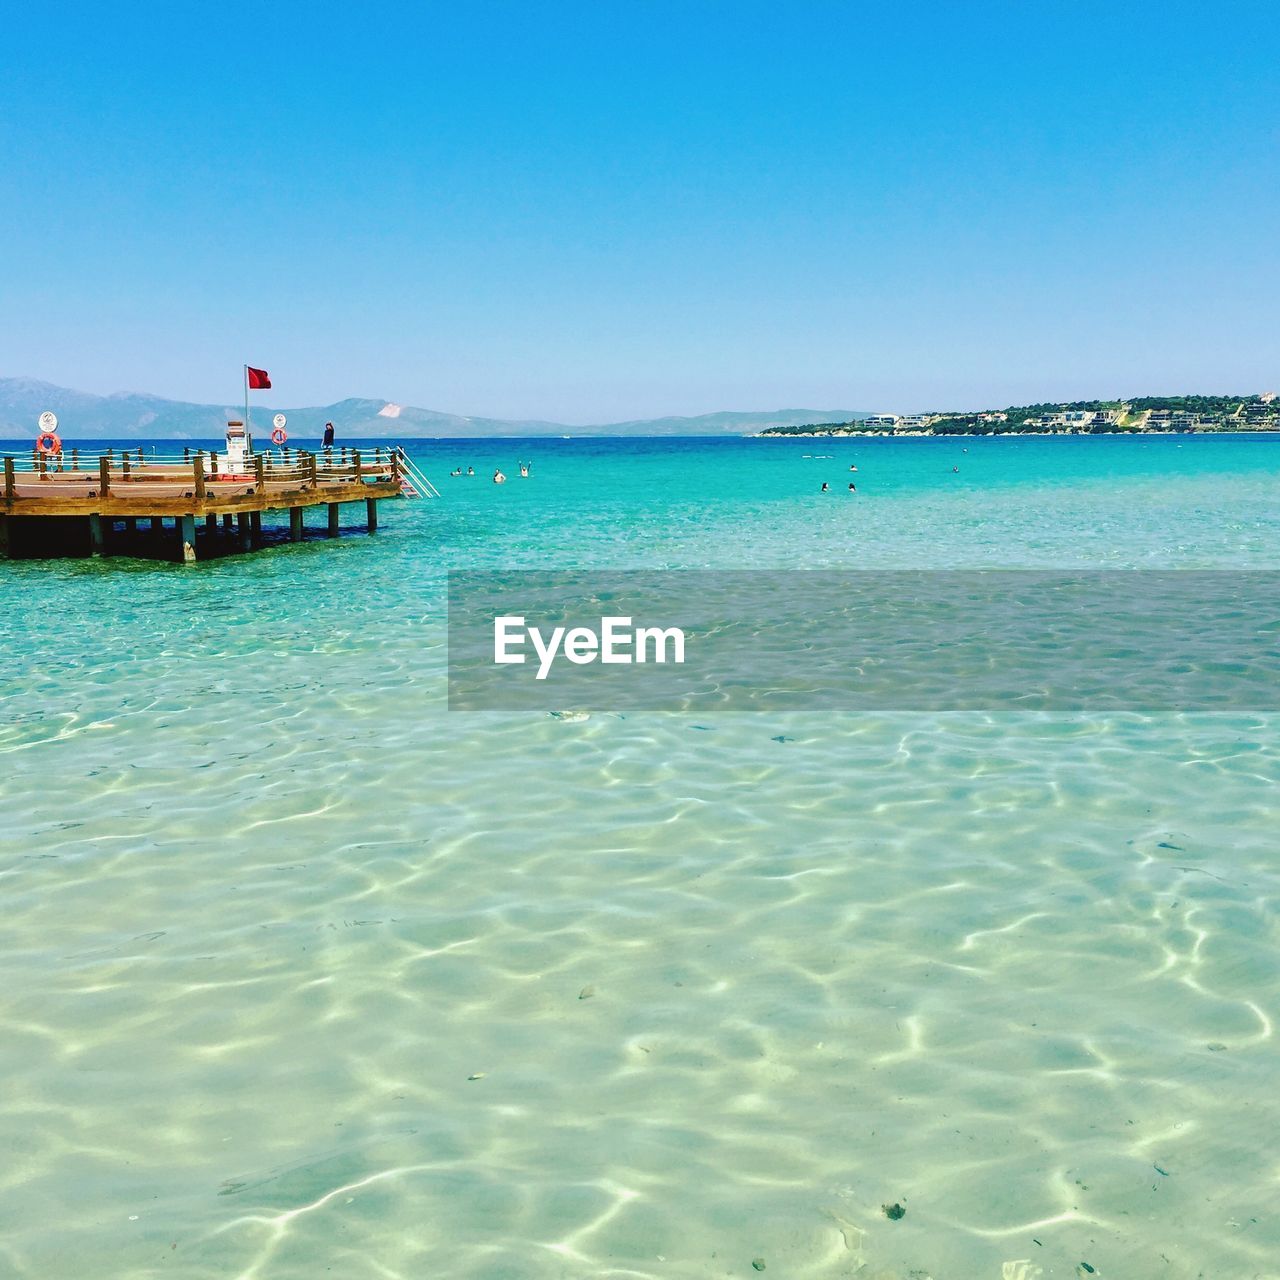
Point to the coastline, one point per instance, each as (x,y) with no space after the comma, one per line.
(986,435)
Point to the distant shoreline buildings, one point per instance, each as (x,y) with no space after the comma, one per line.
(1150,414)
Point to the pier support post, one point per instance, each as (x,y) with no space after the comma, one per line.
(226,522)
(255,526)
(131,524)
(4,536)
(242,528)
(157,526)
(187,533)
(371,509)
(295,524)
(95,535)
(211,524)
(333,519)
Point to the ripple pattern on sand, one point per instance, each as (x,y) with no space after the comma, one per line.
(629,997)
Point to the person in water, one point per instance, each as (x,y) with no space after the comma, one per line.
(524,470)
(457,471)
(853,488)
(471,471)
(499,478)
(825,487)
(328,435)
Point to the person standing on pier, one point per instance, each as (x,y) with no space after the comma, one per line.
(328,435)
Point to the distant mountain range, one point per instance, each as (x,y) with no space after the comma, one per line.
(137,416)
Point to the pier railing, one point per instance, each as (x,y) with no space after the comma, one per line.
(114,471)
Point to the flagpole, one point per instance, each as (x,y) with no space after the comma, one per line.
(246,402)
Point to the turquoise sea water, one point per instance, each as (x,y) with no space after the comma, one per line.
(303,974)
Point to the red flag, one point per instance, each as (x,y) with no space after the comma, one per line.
(259,379)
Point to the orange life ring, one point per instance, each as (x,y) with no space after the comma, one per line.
(48,443)
(279,436)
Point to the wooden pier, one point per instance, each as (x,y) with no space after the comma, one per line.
(78,503)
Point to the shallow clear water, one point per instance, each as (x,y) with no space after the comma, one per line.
(302,973)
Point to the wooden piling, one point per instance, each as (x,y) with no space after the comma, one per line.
(10,484)
(187,535)
(95,535)
(242,529)
(197,474)
(333,519)
(104,477)
(371,511)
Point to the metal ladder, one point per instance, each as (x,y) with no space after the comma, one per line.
(413,484)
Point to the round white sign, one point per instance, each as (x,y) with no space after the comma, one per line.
(48,421)
(279,420)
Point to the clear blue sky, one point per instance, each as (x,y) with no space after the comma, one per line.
(596,211)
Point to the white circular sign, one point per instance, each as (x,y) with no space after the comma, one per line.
(279,420)
(48,421)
